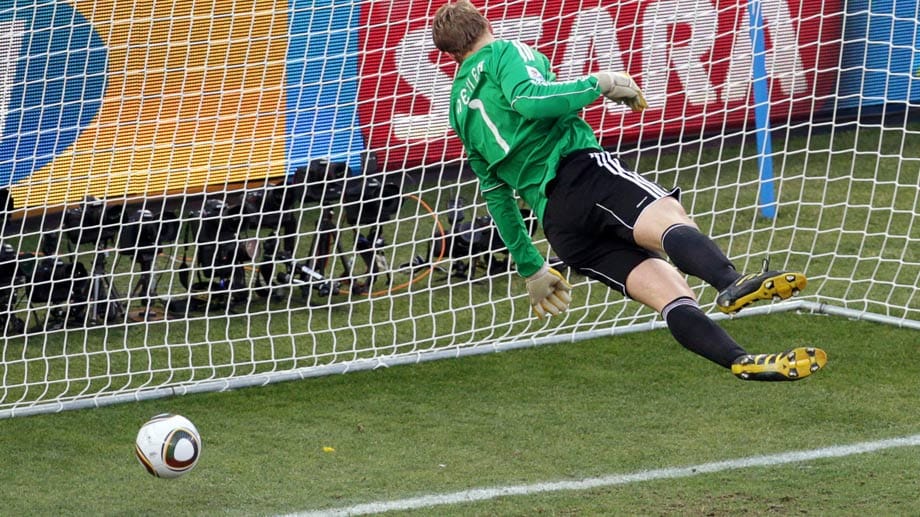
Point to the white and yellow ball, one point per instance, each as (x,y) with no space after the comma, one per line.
(168,445)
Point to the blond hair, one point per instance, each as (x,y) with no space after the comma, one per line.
(457,27)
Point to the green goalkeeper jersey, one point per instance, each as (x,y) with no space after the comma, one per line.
(516,122)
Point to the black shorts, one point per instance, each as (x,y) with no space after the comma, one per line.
(593,205)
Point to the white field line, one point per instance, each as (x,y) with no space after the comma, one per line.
(482,494)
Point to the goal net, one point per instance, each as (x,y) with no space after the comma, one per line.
(206,195)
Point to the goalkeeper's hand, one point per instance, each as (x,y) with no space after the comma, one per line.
(619,87)
(549,292)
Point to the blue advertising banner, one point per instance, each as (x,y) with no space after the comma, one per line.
(881,54)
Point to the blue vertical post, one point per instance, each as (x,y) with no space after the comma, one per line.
(767,196)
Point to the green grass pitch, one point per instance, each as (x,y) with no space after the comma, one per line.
(563,412)
(626,404)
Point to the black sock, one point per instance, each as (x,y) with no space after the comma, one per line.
(699,334)
(696,254)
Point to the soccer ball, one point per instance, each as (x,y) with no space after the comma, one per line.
(168,445)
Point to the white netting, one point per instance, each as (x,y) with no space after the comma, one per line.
(214,194)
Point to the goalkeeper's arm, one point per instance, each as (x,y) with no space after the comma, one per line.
(550,294)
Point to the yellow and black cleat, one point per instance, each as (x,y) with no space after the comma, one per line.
(769,285)
(790,365)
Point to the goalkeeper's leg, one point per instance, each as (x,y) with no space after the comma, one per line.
(666,227)
(656,284)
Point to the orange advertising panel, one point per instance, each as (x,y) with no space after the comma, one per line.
(189,94)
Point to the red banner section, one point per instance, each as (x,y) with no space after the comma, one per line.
(692,59)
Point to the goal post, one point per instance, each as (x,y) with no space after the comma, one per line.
(207,196)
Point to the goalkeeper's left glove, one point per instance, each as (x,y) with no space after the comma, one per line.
(549,292)
(619,87)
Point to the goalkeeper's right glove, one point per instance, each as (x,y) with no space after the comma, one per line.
(619,87)
(549,292)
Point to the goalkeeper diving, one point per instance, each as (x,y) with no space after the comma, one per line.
(523,135)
